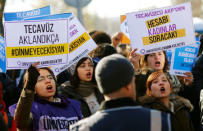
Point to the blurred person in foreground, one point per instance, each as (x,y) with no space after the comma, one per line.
(119,112)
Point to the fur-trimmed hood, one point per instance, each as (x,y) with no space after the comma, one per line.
(178,103)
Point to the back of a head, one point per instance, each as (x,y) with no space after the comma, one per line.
(104,50)
(113,72)
(101,37)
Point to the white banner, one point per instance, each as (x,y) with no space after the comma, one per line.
(161,29)
(43,41)
(80,44)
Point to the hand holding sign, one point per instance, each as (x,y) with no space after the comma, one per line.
(135,59)
(187,79)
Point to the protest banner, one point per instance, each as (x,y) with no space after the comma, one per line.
(51,17)
(124,28)
(80,43)
(161,29)
(2,55)
(183,59)
(36,41)
(20,16)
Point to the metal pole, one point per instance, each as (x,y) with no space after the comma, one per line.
(79,11)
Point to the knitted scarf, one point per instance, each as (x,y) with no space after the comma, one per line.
(85,88)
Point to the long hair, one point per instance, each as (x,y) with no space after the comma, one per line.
(152,77)
(143,61)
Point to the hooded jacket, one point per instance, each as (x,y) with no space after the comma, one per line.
(179,110)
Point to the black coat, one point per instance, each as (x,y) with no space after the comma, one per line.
(11,93)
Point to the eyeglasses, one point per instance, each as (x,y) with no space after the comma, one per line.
(42,78)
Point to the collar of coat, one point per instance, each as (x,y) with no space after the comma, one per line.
(178,103)
(121,102)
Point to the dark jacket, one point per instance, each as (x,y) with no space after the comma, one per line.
(124,115)
(180,117)
(67,90)
(197,86)
(11,93)
(3,125)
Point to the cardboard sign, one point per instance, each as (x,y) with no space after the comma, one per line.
(19,16)
(2,55)
(80,43)
(124,28)
(183,59)
(161,29)
(51,17)
(43,41)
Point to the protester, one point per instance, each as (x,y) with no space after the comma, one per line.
(115,78)
(182,86)
(116,39)
(157,96)
(8,119)
(197,72)
(40,108)
(3,125)
(145,65)
(124,49)
(81,87)
(11,93)
(101,37)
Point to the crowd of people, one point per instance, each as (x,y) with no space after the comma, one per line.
(113,88)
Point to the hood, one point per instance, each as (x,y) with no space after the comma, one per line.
(182,102)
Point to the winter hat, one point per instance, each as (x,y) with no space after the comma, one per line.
(113,72)
(72,68)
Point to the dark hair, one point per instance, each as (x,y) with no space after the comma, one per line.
(144,61)
(75,80)
(101,37)
(103,50)
(92,32)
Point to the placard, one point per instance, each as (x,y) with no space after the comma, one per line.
(161,29)
(43,41)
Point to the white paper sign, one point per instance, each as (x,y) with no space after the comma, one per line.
(80,44)
(161,29)
(43,41)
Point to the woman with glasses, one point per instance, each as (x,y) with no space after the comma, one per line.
(40,108)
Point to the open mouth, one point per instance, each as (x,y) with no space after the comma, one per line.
(162,89)
(89,74)
(157,63)
(49,87)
